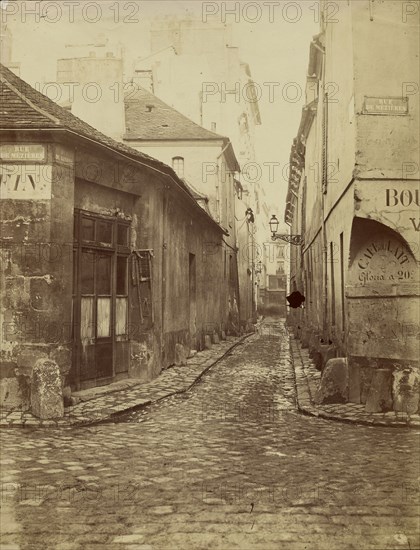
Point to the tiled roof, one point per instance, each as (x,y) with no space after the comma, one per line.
(195,193)
(148,118)
(23,107)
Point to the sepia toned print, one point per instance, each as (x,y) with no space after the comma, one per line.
(209,274)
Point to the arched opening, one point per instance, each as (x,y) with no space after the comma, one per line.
(382,293)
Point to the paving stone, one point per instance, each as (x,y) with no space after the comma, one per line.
(212,461)
(127,539)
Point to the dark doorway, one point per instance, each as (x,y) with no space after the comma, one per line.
(192,298)
(100,300)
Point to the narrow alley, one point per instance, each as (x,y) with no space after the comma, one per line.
(230,464)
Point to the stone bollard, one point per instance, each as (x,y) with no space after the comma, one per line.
(313,343)
(207,341)
(405,389)
(215,339)
(304,341)
(354,382)
(366,374)
(223,335)
(181,355)
(46,390)
(327,352)
(379,397)
(334,387)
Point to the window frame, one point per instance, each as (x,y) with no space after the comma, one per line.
(181,162)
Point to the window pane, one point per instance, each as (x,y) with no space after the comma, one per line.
(88,229)
(76,228)
(121,275)
(88,270)
(144,265)
(104,232)
(122,235)
(87,329)
(178,166)
(121,317)
(103,318)
(74,271)
(103,275)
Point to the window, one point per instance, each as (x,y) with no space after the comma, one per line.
(88,229)
(325,145)
(332,284)
(104,232)
(178,166)
(144,265)
(142,271)
(121,309)
(343,318)
(122,235)
(87,268)
(121,275)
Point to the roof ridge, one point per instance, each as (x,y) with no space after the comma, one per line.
(146,95)
(38,103)
(194,189)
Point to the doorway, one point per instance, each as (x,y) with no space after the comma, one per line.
(192,299)
(100,300)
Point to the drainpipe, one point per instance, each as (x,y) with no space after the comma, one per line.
(164,246)
(324,186)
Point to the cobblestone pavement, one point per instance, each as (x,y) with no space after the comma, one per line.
(103,403)
(230,464)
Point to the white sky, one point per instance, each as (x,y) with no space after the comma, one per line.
(276,47)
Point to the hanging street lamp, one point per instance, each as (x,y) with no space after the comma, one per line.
(291,239)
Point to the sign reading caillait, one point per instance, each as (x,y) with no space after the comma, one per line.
(385,106)
(385,261)
(11,152)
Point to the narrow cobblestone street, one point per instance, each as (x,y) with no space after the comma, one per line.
(230,464)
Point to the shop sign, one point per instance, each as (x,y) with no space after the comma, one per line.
(25,181)
(385,261)
(64,156)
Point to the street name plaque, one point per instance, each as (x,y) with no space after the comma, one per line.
(385,106)
(11,152)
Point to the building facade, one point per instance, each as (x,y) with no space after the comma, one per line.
(204,159)
(106,268)
(353,197)
(206,80)
(206,163)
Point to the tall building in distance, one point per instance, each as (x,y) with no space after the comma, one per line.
(6,49)
(196,68)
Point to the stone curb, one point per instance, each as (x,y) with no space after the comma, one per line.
(350,413)
(105,413)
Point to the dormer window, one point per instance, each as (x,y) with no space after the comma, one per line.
(178,166)
(149,108)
